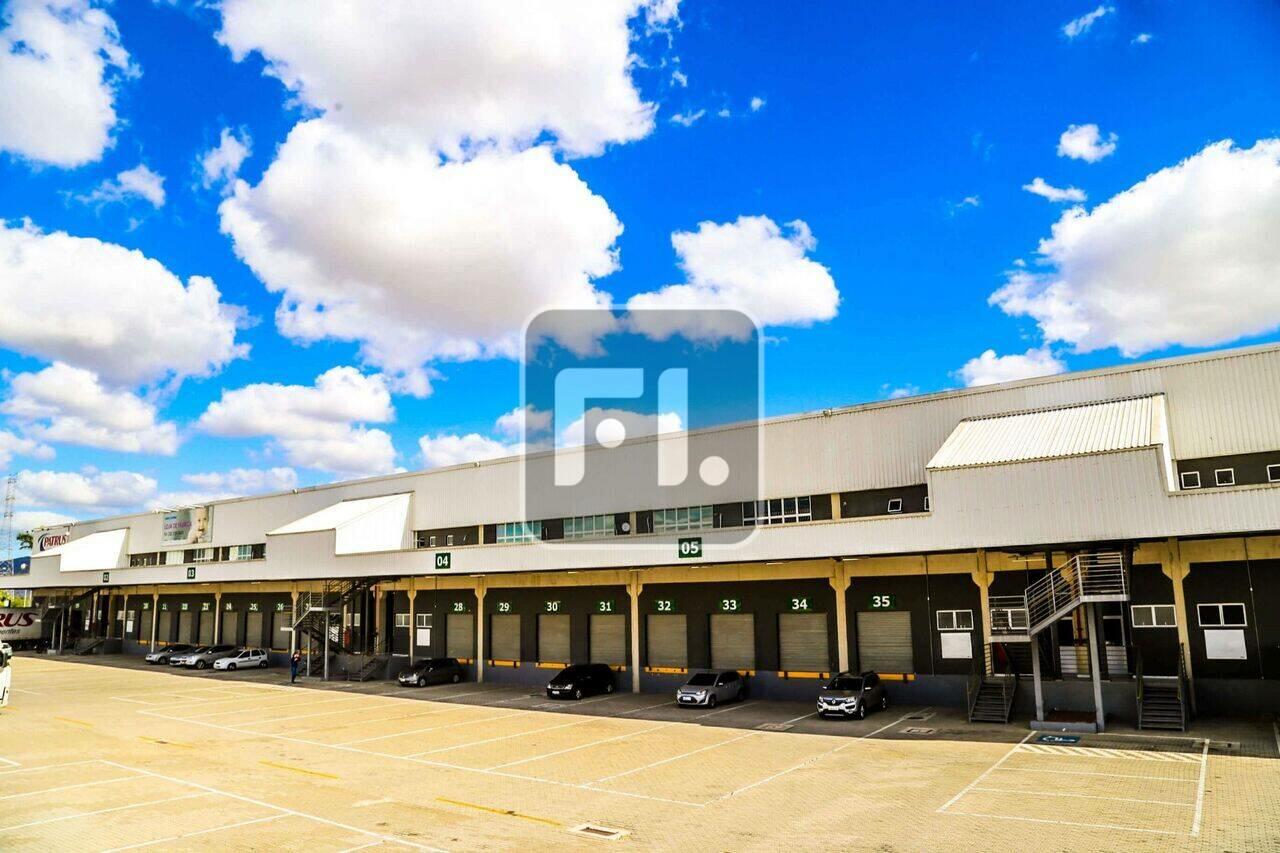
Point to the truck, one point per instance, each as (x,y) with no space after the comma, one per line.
(21,628)
(6,672)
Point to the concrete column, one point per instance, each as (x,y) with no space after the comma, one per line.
(413,617)
(293,634)
(155,618)
(1035,678)
(840,583)
(634,587)
(480,591)
(1176,568)
(1095,673)
(217,616)
(982,577)
(379,629)
(124,625)
(111,616)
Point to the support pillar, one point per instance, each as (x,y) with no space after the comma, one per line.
(480,591)
(634,587)
(1035,677)
(379,628)
(124,624)
(111,621)
(217,617)
(293,629)
(982,577)
(1095,673)
(155,618)
(326,644)
(840,583)
(1176,568)
(413,617)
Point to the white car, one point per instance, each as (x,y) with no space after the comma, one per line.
(243,659)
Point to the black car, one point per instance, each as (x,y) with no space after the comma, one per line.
(162,655)
(580,679)
(432,671)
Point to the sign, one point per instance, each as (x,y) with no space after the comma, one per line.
(191,573)
(504,606)
(184,525)
(729,605)
(253,607)
(106,577)
(424,637)
(1064,740)
(664,605)
(146,605)
(205,606)
(279,606)
(552,606)
(444,560)
(800,604)
(883,602)
(186,605)
(690,547)
(228,606)
(460,607)
(605,606)
(52,539)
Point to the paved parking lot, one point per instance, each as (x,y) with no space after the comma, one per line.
(115,755)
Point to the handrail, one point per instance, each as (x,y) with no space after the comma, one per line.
(1135,654)
(1066,586)
(974,685)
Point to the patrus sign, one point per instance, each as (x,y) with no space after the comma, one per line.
(622,410)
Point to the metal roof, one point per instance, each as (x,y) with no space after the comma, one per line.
(1055,433)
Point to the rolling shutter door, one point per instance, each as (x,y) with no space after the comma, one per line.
(186,627)
(230,628)
(733,641)
(504,636)
(253,629)
(460,636)
(608,638)
(667,640)
(165,634)
(144,627)
(553,638)
(206,627)
(280,629)
(884,641)
(803,642)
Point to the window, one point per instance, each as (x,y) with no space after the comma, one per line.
(1225,476)
(520,531)
(152,559)
(1221,615)
(173,558)
(777,511)
(895,505)
(402,620)
(242,552)
(927,506)
(955,620)
(1153,616)
(1273,473)
(588,526)
(1190,479)
(421,619)
(448,540)
(683,518)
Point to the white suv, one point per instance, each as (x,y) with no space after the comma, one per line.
(243,659)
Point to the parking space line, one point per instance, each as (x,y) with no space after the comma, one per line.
(101,811)
(499,737)
(1204,763)
(577,702)
(1067,823)
(1082,796)
(967,788)
(733,707)
(364,719)
(427,729)
(8,762)
(674,758)
(274,708)
(575,748)
(644,708)
(21,769)
(67,787)
(1095,773)
(228,826)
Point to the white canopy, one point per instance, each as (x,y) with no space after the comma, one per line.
(361,525)
(97,552)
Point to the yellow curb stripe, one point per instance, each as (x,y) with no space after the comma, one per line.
(75,722)
(507,812)
(297,769)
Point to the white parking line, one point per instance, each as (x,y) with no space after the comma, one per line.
(1031,793)
(310,704)
(734,707)
(578,747)
(8,762)
(428,729)
(101,811)
(67,787)
(21,769)
(236,825)
(1204,764)
(364,720)
(498,738)
(1066,822)
(951,802)
(1094,773)
(576,703)
(674,758)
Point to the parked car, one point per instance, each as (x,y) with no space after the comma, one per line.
(580,679)
(165,654)
(852,695)
(431,671)
(203,657)
(712,687)
(244,659)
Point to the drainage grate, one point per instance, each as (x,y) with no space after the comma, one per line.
(774,727)
(916,730)
(604,833)
(920,717)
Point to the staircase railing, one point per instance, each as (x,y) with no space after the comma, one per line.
(977,672)
(1135,654)
(1063,589)
(1008,615)
(314,618)
(1186,695)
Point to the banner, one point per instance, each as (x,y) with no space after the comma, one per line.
(182,526)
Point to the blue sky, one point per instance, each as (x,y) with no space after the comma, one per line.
(874,152)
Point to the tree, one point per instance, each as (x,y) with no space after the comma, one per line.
(24,541)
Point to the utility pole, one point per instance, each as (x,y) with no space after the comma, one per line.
(6,526)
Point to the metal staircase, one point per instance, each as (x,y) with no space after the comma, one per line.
(1083,579)
(315,616)
(1163,701)
(991,690)
(88,645)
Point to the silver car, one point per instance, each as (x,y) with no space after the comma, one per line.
(852,695)
(204,656)
(708,689)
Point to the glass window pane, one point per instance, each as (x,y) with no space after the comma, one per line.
(1233,614)
(1163,615)
(946,620)
(964,620)
(1208,614)
(1142,617)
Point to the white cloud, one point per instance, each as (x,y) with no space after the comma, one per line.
(1142,38)
(60,63)
(138,182)
(12,445)
(1081,25)
(1085,142)
(523,420)
(966,203)
(634,425)
(440,451)
(29,519)
(452,74)
(1187,256)
(688,119)
(989,368)
(69,405)
(680,79)
(900,392)
(108,308)
(99,491)
(220,485)
(757,104)
(221,164)
(320,426)
(414,258)
(1044,189)
(748,265)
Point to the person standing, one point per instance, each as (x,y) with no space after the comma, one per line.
(294,662)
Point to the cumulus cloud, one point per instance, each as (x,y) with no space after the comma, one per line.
(136,183)
(101,306)
(31,519)
(60,64)
(757,104)
(989,368)
(221,164)
(320,426)
(99,491)
(1142,38)
(69,405)
(1086,142)
(12,445)
(750,265)
(1044,189)
(1081,25)
(588,430)
(440,451)
(414,258)
(1187,256)
(688,118)
(523,420)
(220,485)
(449,75)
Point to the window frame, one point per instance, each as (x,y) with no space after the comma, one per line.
(769,511)
(420,620)
(241,552)
(517,532)
(1222,623)
(1217,476)
(682,518)
(402,623)
(1152,609)
(890,509)
(1183,479)
(955,622)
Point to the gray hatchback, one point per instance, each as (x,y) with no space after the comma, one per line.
(711,688)
(851,695)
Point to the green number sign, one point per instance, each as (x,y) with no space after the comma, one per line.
(664,605)
(690,547)
(604,606)
(205,607)
(279,606)
(444,560)
(504,606)
(729,605)
(552,606)
(191,573)
(186,606)
(228,606)
(884,602)
(800,604)
(461,607)
(253,607)
(106,577)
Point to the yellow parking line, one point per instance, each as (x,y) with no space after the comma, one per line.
(298,769)
(506,812)
(166,742)
(75,722)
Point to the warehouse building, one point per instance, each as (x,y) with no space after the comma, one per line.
(1101,539)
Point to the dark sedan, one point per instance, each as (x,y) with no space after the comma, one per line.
(432,671)
(580,679)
